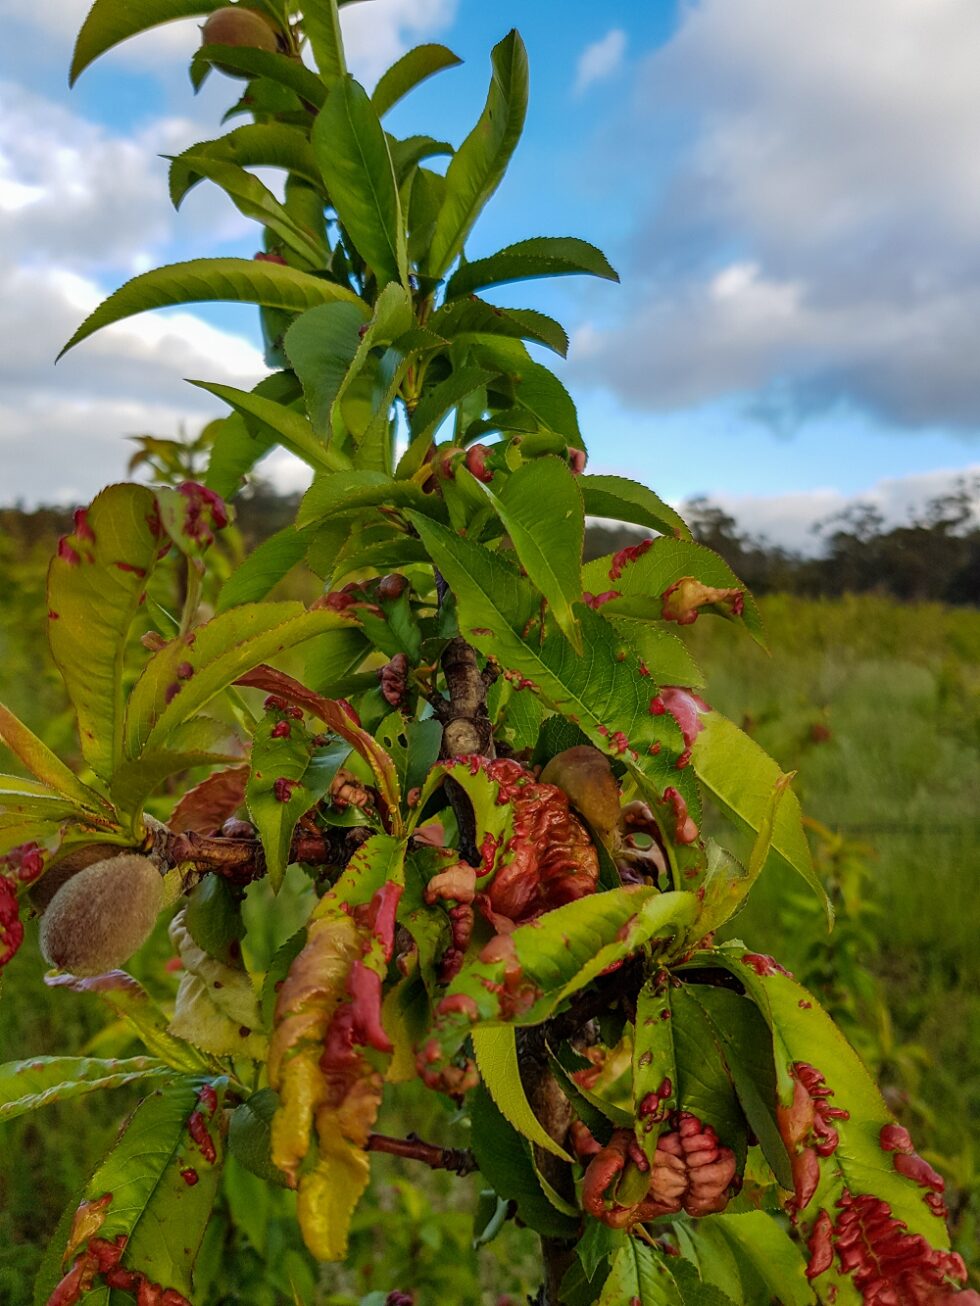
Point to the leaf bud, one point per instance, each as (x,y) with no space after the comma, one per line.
(102,915)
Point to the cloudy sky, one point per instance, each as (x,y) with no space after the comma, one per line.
(790,191)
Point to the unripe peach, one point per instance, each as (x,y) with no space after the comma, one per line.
(587,778)
(66,868)
(237,26)
(102,915)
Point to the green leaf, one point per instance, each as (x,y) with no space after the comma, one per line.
(750,789)
(95,586)
(133,782)
(703,1085)
(496,1057)
(292,430)
(187,673)
(352,152)
(407,72)
(641,1277)
(108,23)
(242,440)
(250,1134)
(28,1085)
(746,1045)
(264,567)
(412,745)
(542,256)
(42,763)
(284,69)
(405,154)
(479,164)
(473,320)
(265,145)
(664,655)
(345,491)
(539,392)
(321,23)
(254,200)
(541,509)
(624,500)
(505,1162)
(760,1252)
(205,280)
(217,1005)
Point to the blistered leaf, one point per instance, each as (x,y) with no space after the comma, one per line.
(217,1008)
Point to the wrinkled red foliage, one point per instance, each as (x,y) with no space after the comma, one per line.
(889,1265)
(685,828)
(765,965)
(364,988)
(101,1259)
(206,512)
(394,679)
(548,861)
(11,926)
(595,601)
(685,707)
(806,1129)
(624,557)
(283,788)
(691,1171)
(895,1138)
(682,601)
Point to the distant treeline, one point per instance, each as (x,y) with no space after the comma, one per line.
(935,556)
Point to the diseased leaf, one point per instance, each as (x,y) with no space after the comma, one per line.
(187,673)
(217,1007)
(479,164)
(542,256)
(205,280)
(407,72)
(29,1085)
(162,1174)
(250,1135)
(352,153)
(208,805)
(640,581)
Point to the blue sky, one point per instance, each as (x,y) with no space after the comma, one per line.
(791,193)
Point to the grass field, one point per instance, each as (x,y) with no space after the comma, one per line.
(877,706)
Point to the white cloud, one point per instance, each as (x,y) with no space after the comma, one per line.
(789,519)
(600,59)
(818,236)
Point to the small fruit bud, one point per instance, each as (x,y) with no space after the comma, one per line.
(102,915)
(586,777)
